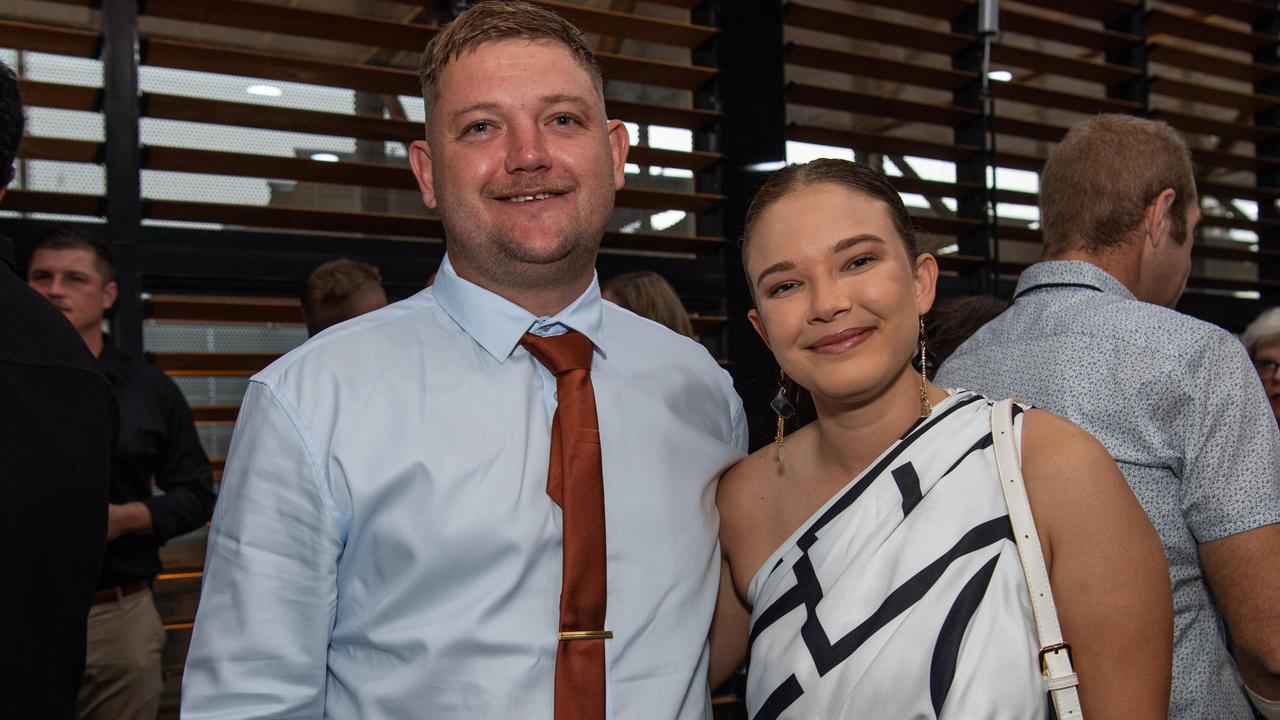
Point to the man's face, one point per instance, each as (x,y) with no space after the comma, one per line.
(72,282)
(521,163)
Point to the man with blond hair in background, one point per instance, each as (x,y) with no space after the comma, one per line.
(1092,336)
(494,499)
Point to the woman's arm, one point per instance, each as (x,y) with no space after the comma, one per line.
(1107,569)
(741,517)
(729,628)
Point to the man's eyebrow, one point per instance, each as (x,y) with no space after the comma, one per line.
(474,107)
(545,100)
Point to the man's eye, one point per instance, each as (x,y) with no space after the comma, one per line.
(477,128)
(564,120)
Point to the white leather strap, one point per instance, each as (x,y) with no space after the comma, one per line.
(1055,655)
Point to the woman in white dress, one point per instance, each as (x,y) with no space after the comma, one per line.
(870,568)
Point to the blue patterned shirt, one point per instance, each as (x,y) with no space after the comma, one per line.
(1176,402)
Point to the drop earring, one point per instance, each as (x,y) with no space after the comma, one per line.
(782,406)
(926,407)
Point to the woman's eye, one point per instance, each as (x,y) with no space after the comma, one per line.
(781,288)
(859,261)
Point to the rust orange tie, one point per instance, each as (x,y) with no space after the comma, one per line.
(575,481)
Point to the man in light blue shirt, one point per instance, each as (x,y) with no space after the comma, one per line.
(1091,336)
(384,545)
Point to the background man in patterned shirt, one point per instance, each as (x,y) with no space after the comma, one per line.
(1091,336)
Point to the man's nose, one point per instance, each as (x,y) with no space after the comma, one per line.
(527,151)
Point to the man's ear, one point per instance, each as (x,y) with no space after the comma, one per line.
(619,144)
(1155,219)
(420,161)
(110,292)
(758,324)
(926,278)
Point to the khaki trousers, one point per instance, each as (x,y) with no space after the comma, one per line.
(122,675)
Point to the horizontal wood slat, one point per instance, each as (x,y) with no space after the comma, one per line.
(654,72)
(290,20)
(1104,10)
(1049,64)
(1231,130)
(266,117)
(938,9)
(1246,10)
(41,148)
(646,114)
(629,25)
(1164,22)
(183,55)
(53,202)
(877,143)
(1044,97)
(211,364)
(1187,59)
(198,308)
(1046,28)
(214,413)
(49,39)
(872,29)
(1248,102)
(907,111)
(64,97)
(867,66)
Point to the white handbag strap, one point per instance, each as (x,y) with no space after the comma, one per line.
(1055,655)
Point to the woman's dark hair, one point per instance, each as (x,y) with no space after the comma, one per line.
(845,173)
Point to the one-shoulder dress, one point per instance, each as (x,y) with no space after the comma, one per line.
(903,595)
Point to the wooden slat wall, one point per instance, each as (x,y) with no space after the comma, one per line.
(242,38)
(876,76)
(374,56)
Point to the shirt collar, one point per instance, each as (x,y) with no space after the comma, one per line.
(497,324)
(1070,273)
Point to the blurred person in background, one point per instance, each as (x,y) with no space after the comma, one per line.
(157,444)
(57,430)
(340,290)
(1262,340)
(648,295)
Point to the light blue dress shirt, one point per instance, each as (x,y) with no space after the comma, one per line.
(1178,404)
(384,546)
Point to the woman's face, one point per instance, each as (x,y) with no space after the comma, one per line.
(838,300)
(1265,357)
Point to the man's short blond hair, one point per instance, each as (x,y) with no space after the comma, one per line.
(496,20)
(1100,179)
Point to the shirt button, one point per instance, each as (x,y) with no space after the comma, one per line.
(555,396)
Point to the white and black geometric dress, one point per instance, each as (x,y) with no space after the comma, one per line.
(903,596)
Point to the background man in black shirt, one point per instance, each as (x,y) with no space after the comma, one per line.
(157,440)
(57,430)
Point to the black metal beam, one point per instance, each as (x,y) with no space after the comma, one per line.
(979,241)
(753,134)
(1268,175)
(120,111)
